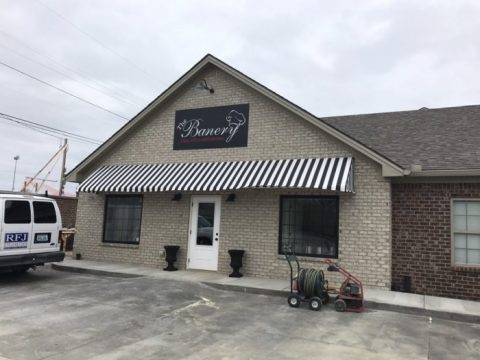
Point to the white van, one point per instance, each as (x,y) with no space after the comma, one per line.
(29,229)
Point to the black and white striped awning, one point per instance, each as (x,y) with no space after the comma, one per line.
(332,174)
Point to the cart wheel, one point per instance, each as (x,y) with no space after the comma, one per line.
(340,305)
(325,299)
(294,301)
(315,304)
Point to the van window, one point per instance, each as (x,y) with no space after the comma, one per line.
(44,212)
(17,212)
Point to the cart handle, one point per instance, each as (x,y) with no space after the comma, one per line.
(290,256)
(342,271)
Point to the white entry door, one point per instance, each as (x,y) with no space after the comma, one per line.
(204,232)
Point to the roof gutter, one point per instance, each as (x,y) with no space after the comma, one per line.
(446,172)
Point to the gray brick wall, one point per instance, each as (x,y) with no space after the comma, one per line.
(251,222)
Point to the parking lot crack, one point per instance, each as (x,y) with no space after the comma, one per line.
(201,302)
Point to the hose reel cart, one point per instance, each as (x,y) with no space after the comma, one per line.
(350,295)
(308,285)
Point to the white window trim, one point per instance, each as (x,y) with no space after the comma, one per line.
(452,232)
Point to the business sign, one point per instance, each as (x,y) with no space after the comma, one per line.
(214,127)
(16,241)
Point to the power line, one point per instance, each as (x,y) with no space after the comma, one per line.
(44,128)
(100,43)
(79,73)
(46,133)
(47,128)
(68,76)
(64,91)
(33,128)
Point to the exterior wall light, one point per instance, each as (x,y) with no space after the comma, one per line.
(203,85)
(231,197)
(177,197)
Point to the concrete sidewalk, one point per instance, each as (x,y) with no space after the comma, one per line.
(439,307)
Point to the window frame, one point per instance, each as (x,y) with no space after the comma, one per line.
(105,220)
(337,225)
(452,232)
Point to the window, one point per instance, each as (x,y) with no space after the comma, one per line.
(44,212)
(17,212)
(309,225)
(123,216)
(205,222)
(466,232)
(42,238)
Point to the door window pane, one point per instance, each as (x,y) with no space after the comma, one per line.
(205,223)
(17,212)
(122,219)
(309,225)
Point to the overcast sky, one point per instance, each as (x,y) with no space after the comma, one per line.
(332,58)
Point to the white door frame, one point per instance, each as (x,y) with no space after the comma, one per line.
(203,257)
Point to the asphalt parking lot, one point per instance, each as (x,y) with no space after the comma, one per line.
(48,314)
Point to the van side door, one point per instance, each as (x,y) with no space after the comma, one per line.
(16,234)
(46,226)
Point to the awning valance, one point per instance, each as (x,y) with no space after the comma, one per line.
(333,174)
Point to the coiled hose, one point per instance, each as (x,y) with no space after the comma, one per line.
(311,282)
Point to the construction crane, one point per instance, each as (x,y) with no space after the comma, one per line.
(34,183)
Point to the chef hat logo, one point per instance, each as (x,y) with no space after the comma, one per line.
(236,118)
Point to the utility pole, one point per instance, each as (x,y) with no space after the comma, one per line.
(54,157)
(62,174)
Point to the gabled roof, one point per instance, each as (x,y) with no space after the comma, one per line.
(439,140)
(389,167)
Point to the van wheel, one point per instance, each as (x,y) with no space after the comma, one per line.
(20,270)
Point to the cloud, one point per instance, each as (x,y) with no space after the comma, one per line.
(331,58)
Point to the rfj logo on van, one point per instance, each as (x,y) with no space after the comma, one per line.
(214,127)
(16,240)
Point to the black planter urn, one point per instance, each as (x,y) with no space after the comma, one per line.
(171,257)
(236,262)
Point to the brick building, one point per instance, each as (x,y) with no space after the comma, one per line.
(68,210)
(436,204)
(219,162)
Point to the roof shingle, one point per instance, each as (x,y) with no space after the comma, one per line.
(436,139)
